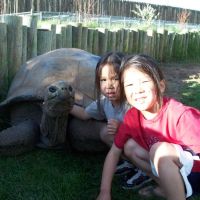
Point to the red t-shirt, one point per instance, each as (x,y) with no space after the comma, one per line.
(175,123)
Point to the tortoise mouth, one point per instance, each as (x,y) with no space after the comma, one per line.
(58,105)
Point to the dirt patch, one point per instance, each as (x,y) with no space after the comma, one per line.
(177,75)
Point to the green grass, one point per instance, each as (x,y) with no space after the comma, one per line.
(191,94)
(54,175)
(60,175)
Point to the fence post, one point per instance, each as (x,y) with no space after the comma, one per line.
(31,22)
(109,41)
(44,41)
(113,40)
(3,61)
(163,46)
(90,40)
(130,46)
(103,40)
(53,38)
(169,46)
(64,37)
(126,41)
(141,41)
(69,36)
(77,36)
(96,42)
(185,45)
(24,44)
(58,41)
(84,38)
(157,47)
(120,39)
(14,36)
(135,41)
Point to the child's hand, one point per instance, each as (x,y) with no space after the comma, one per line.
(112,126)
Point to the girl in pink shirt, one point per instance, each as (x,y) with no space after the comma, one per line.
(159,135)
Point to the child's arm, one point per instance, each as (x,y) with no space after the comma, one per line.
(109,168)
(79,112)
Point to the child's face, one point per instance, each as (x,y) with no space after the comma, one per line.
(140,90)
(109,84)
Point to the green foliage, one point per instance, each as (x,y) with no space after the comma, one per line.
(147,13)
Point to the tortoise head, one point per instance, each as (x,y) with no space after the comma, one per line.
(58,99)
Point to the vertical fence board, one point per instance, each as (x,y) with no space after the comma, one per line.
(64,37)
(74,37)
(109,41)
(155,41)
(44,36)
(90,40)
(69,36)
(120,36)
(103,41)
(198,47)
(53,36)
(145,43)
(31,22)
(141,41)
(185,45)
(126,41)
(114,41)
(164,46)
(84,38)
(177,50)
(58,41)
(130,47)
(79,36)
(159,46)
(14,45)
(24,44)
(170,46)
(3,61)
(135,41)
(96,42)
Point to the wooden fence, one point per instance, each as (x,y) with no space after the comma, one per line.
(20,40)
(97,7)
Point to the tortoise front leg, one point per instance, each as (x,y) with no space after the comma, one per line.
(19,138)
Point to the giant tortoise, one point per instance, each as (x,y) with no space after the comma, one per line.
(40,98)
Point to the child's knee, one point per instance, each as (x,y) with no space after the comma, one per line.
(161,149)
(162,155)
(129,148)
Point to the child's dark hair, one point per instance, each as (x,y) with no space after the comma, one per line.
(111,58)
(146,64)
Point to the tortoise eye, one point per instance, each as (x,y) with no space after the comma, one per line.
(52,89)
(70,88)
